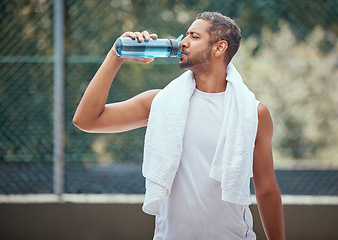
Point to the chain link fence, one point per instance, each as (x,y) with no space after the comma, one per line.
(288,57)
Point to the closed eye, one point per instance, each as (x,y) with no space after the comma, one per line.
(193,34)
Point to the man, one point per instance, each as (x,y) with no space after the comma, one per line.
(195,205)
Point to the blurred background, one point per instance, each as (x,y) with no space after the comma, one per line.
(288,58)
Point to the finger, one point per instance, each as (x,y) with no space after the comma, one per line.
(146,35)
(147,60)
(140,60)
(129,34)
(139,36)
(153,35)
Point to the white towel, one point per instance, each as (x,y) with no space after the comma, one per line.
(232,163)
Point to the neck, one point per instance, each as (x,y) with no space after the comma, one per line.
(211,81)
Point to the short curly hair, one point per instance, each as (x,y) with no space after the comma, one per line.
(223,28)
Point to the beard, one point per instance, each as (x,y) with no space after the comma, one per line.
(200,58)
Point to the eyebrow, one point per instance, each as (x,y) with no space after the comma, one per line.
(192,32)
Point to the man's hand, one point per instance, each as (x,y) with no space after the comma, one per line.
(141,37)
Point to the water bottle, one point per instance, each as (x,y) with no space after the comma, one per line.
(127,47)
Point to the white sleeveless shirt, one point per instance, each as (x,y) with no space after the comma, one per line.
(194,209)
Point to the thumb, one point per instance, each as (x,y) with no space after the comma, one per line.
(140,60)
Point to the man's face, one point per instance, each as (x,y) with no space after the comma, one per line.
(196,49)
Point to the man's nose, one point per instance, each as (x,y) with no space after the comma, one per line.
(184,42)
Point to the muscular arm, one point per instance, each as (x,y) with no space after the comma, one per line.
(266,188)
(94,115)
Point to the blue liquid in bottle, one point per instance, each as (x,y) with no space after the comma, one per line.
(127,47)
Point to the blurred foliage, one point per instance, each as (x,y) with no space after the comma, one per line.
(288,57)
(298,83)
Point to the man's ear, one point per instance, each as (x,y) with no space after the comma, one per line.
(221,48)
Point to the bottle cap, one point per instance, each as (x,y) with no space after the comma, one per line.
(176,45)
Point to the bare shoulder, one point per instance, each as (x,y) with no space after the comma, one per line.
(262,158)
(146,98)
(138,105)
(151,93)
(265,125)
(263,111)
